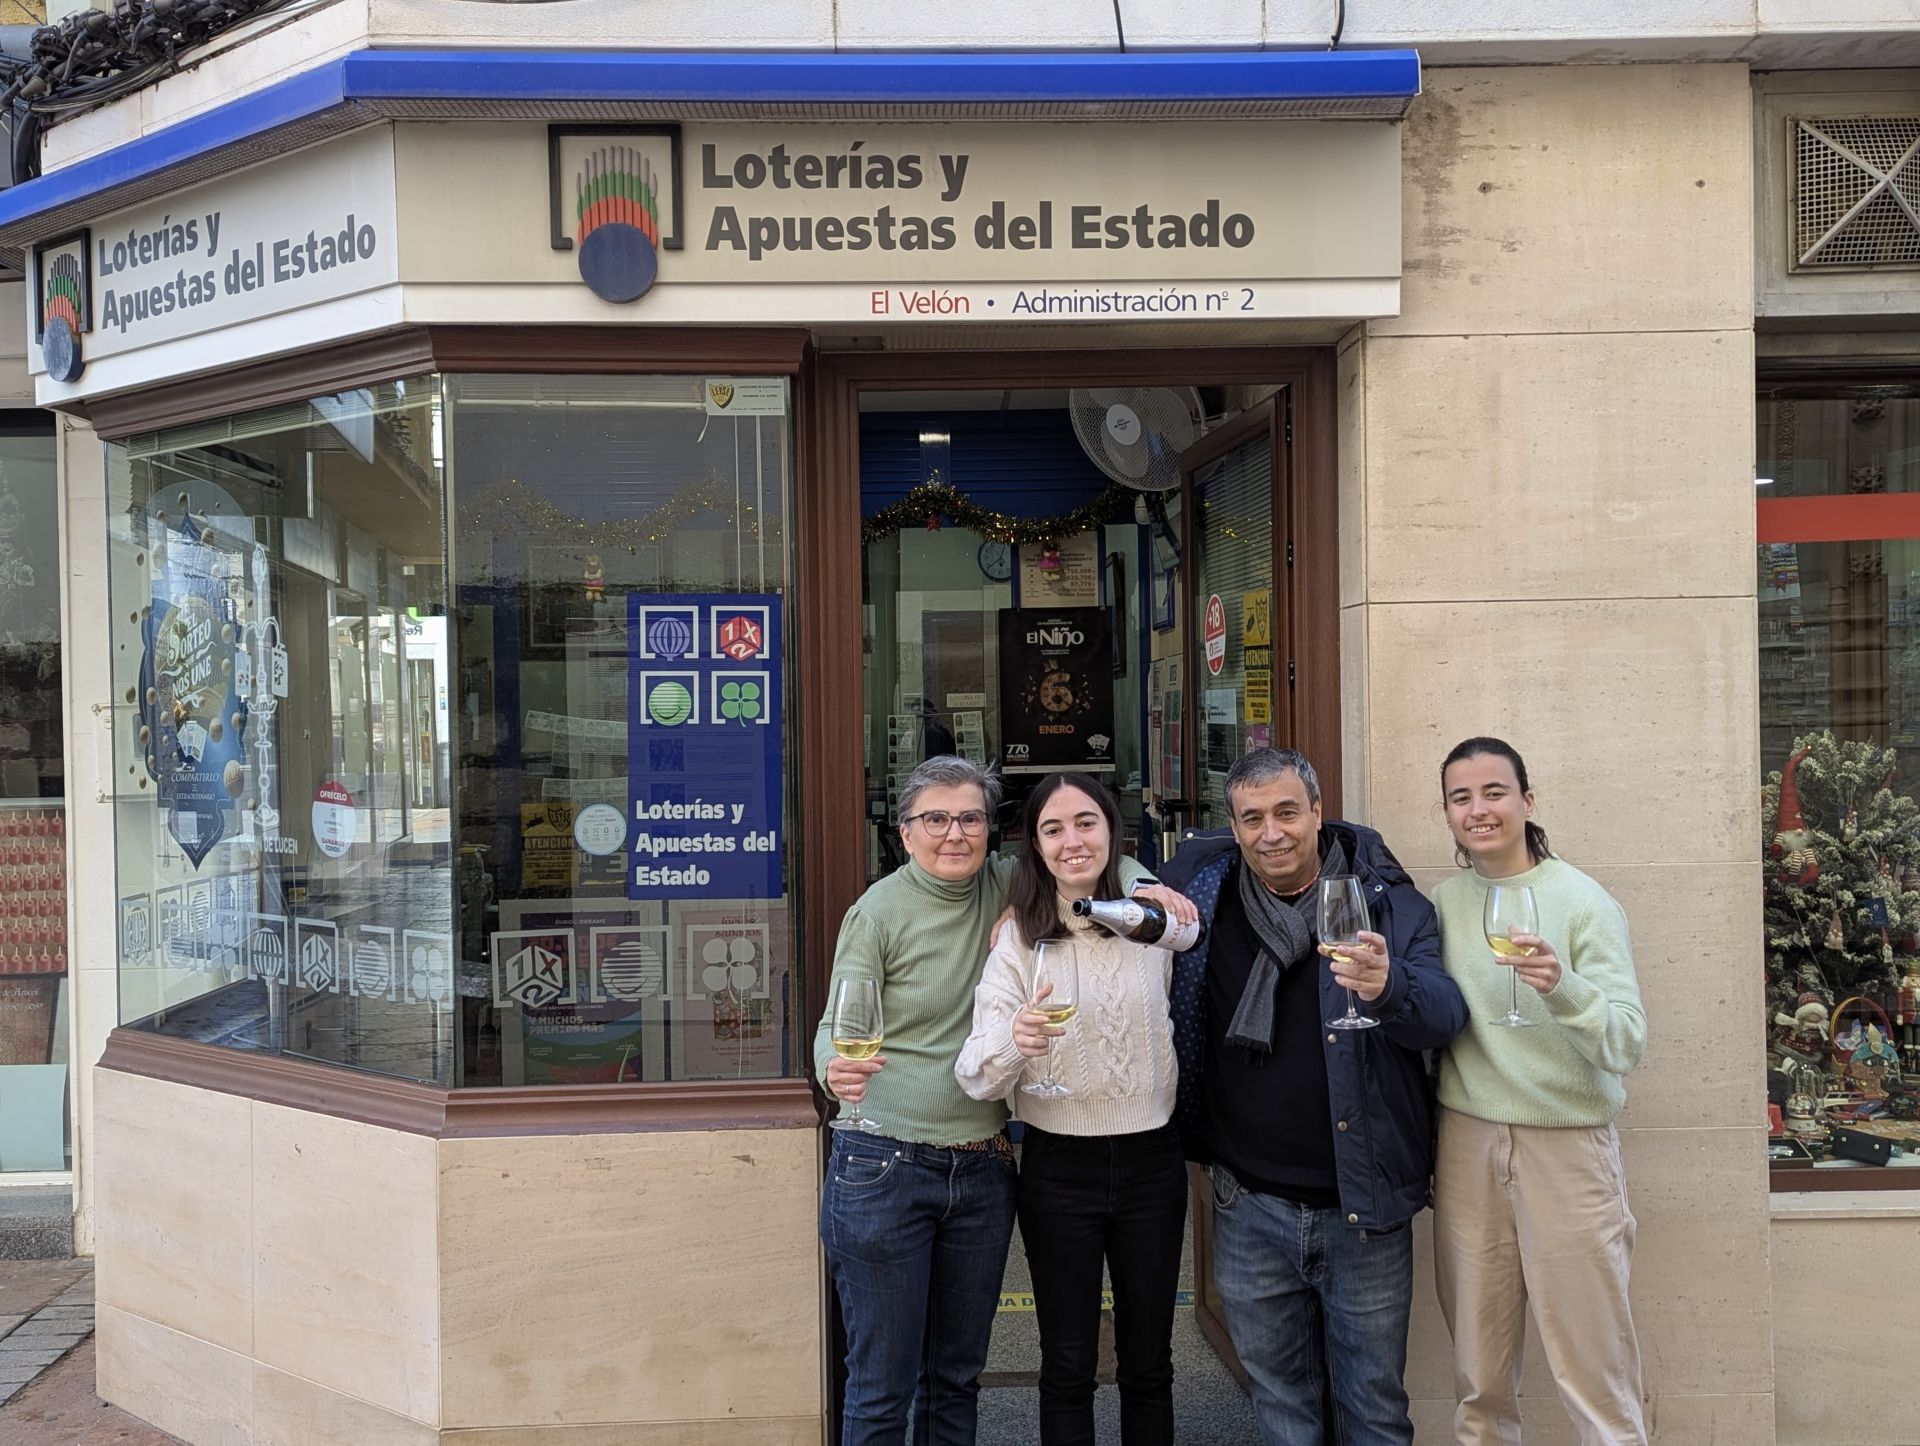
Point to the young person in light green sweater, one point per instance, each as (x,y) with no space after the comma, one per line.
(918,1211)
(1530,1200)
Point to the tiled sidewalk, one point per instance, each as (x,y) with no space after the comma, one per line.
(46,1362)
(30,1343)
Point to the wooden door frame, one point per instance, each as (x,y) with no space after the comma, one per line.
(1268,417)
(832,703)
(832,629)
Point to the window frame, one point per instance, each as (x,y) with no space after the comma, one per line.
(1873,517)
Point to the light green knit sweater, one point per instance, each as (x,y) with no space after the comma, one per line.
(1590,1031)
(926,940)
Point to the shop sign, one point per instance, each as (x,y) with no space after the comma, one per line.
(1215,635)
(745,396)
(1056,689)
(287,234)
(912,222)
(704,742)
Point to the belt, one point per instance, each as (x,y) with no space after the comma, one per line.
(999,1144)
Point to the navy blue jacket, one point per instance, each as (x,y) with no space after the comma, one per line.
(1378,1080)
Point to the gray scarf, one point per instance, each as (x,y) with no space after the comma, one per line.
(1285,932)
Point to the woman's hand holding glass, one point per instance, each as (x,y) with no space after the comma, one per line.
(1539,968)
(1033,1035)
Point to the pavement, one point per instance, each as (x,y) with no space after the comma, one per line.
(1210,1408)
(47,1368)
(46,1362)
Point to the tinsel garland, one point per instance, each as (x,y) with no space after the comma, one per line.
(936,499)
(512,506)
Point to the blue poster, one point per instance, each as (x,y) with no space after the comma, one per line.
(193,721)
(704,746)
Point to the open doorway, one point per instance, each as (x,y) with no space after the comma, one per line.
(1016,578)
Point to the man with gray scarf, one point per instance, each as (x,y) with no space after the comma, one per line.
(1319,1141)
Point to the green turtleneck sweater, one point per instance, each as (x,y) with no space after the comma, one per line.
(926,940)
(1590,1030)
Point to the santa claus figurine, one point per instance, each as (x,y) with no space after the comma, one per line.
(1792,839)
(1804,1036)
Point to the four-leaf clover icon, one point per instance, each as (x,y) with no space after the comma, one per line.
(740,701)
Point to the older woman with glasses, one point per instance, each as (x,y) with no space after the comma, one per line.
(917,1215)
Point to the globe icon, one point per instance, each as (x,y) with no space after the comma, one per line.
(670,636)
(670,703)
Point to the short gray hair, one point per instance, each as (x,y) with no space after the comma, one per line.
(949,770)
(1263,765)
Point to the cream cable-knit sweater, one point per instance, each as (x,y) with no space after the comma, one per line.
(1117,1053)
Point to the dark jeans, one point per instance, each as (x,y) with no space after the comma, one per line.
(1272,1260)
(1121,1199)
(916,1239)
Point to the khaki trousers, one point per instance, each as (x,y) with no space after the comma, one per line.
(1523,1213)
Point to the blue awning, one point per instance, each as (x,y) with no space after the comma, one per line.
(369,86)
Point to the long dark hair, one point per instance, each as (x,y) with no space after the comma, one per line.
(1478,747)
(1034,888)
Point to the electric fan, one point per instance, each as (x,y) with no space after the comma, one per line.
(1136,434)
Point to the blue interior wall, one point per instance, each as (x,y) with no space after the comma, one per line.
(1024,463)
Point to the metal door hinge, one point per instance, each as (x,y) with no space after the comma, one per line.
(1289,672)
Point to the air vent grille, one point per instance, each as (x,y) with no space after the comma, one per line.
(1856,193)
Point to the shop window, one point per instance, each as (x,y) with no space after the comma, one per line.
(1838,483)
(494,793)
(622,687)
(283,839)
(33,886)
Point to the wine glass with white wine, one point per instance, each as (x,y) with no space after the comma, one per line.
(858,1032)
(1510,910)
(1055,962)
(1342,917)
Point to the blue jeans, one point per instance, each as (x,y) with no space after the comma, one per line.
(1273,1260)
(916,1239)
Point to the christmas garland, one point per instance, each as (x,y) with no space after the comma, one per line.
(935,500)
(511,506)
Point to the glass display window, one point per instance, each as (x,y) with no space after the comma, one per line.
(1838,588)
(451,730)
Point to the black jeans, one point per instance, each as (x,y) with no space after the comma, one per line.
(1122,1199)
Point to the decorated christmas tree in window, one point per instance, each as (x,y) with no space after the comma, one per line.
(1842,860)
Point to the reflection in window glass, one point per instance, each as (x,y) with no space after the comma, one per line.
(621,686)
(281,732)
(1839,724)
(33,878)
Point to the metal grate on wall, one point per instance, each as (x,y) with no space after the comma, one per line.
(1855,202)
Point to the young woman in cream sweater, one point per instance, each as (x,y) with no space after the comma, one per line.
(1102,1180)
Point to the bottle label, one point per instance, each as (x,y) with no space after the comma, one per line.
(1132,916)
(1180,937)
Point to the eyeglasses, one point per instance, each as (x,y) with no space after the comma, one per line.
(938,821)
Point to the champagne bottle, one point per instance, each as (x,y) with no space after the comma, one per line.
(1142,921)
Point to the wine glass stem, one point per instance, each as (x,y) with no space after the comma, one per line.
(1513,1009)
(1353,1011)
(1049,1079)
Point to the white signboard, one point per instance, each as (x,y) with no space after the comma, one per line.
(289,233)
